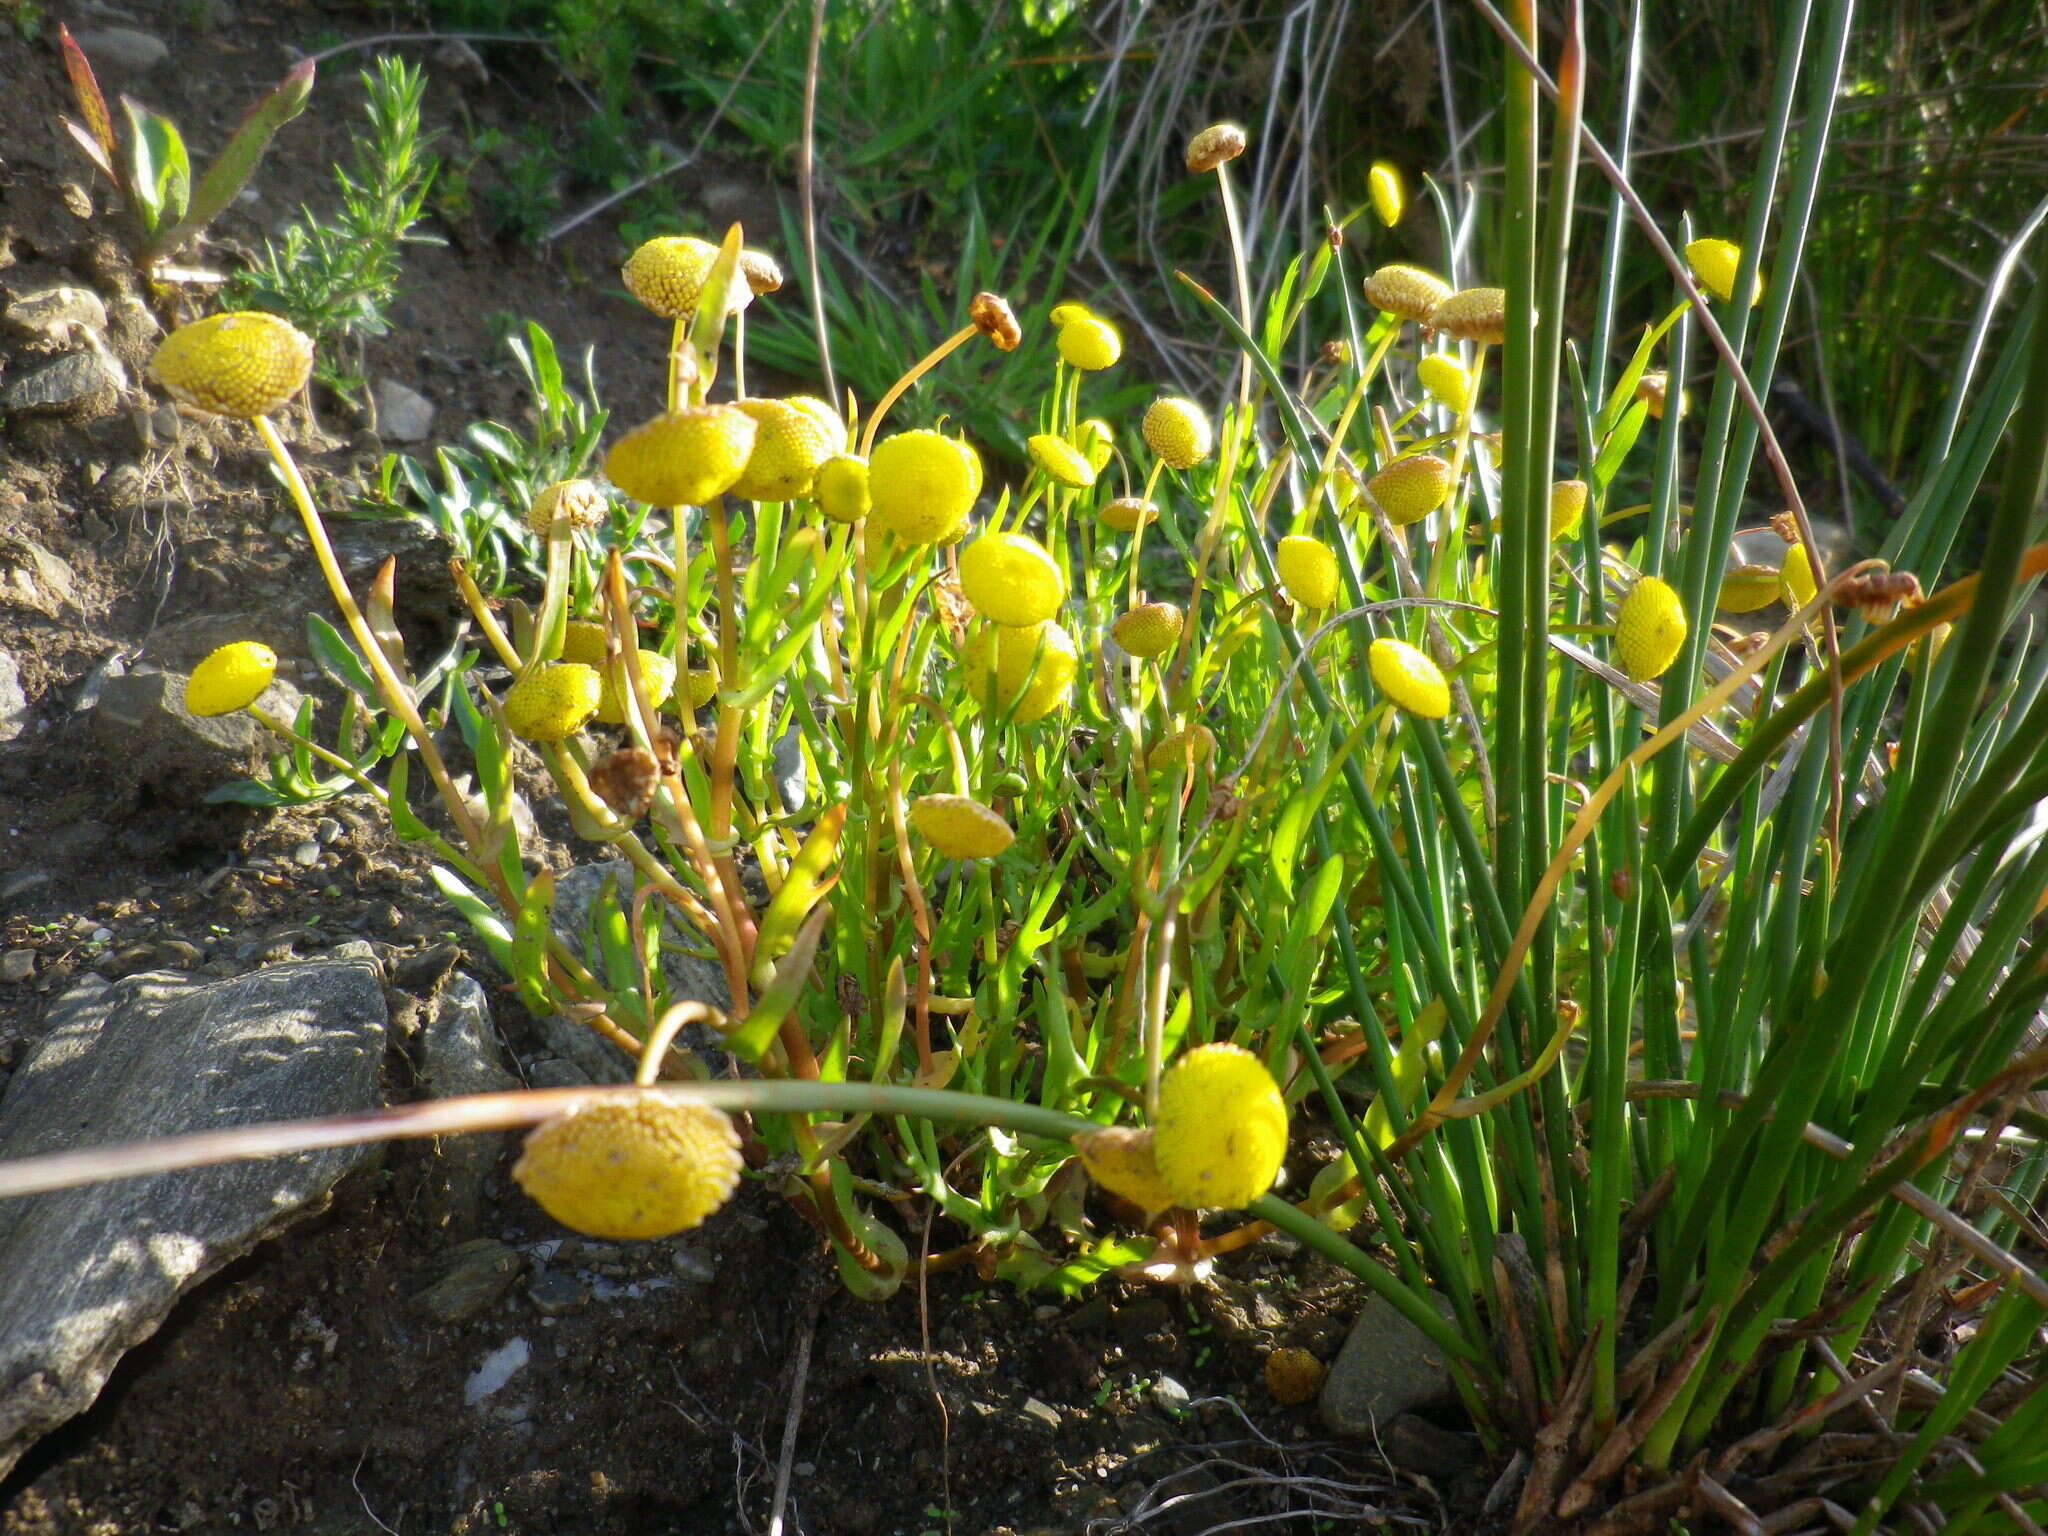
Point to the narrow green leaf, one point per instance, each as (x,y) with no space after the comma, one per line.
(237,161)
(529,962)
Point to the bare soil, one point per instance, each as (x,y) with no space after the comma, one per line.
(304,1389)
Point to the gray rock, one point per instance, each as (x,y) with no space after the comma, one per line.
(553,1072)
(81,383)
(85,1274)
(306,854)
(148,739)
(33,577)
(124,48)
(1387,1366)
(458,1054)
(687,977)
(54,316)
(1170,1395)
(17,965)
(556,1294)
(14,718)
(404,415)
(474,1277)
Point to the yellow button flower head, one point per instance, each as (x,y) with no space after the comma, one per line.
(1215,145)
(683,459)
(232,678)
(579,503)
(1445,382)
(1389,197)
(1150,629)
(791,439)
(1096,442)
(1067,314)
(1409,489)
(841,488)
(1409,678)
(1127,514)
(1011,579)
(657,680)
(1308,570)
(1649,630)
(1795,578)
(959,827)
(583,641)
(1714,264)
(1090,344)
(1221,1133)
(1567,507)
(1035,693)
(1061,461)
(1747,588)
(1406,292)
(1196,744)
(921,485)
(1120,1159)
(1294,1376)
(631,1170)
(553,702)
(1178,431)
(1474,314)
(244,363)
(1654,389)
(702,684)
(667,273)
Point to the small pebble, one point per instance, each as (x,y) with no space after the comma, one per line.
(1170,1395)
(1045,1413)
(693,1268)
(556,1294)
(327,830)
(17,965)
(307,854)
(103,935)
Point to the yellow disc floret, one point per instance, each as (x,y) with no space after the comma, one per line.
(841,488)
(1649,630)
(553,702)
(959,827)
(232,678)
(1195,745)
(1178,431)
(1090,343)
(1034,668)
(1567,507)
(667,274)
(1120,1159)
(1473,314)
(1221,1132)
(631,1169)
(1445,382)
(921,485)
(791,439)
(1061,461)
(1150,629)
(1011,579)
(244,363)
(1409,489)
(1406,292)
(1308,570)
(1747,588)
(1410,679)
(579,503)
(685,458)
(1795,578)
(583,640)
(657,680)
(1715,263)
(1389,197)
(1127,514)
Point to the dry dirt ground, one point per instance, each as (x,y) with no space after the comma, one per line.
(304,1389)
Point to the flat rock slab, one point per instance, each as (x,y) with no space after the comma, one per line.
(86,1274)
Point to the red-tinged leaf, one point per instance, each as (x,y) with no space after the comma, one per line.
(237,162)
(91,146)
(92,103)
